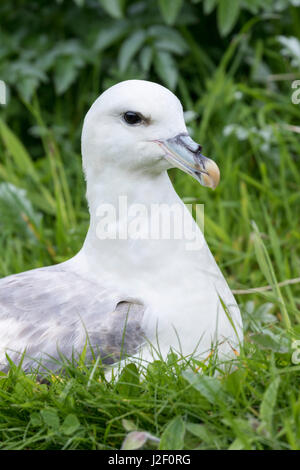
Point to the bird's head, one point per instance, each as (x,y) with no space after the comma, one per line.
(138,126)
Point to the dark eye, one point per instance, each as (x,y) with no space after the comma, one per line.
(132,118)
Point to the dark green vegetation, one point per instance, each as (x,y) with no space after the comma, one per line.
(232,64)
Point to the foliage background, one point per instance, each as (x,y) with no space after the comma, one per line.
(232,63)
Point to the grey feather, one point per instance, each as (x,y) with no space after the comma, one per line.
(53,311)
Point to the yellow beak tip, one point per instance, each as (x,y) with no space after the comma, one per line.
(212,178)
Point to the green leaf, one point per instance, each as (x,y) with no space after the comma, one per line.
(129,48)
(173,436)
(168,39)
(268,340)
(24,164)
(166,32)
(201,431)
(170,9)
(268,404)
(27,87)
(26,76)
(168,44)
(113,7)
(16,212)
(227,15)
(35,419)
(70,425)
(109,35)
(237,444)
(17,151)
(209,387)
(50,418)
(65,73)
(128,383)
(235,381)
(166,69)
(146,58)
(208,6)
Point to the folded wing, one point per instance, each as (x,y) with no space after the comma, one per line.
(49,312)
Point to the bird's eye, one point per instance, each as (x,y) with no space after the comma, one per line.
(132,118)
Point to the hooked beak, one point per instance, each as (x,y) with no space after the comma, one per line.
(185,154)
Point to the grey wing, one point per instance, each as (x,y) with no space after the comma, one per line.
(49,312)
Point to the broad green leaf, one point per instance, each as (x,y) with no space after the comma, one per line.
(166,32)
(166,69)
(173,436)
(168,39)
(65,72)
(113,7)
(109,35)
(146,58)
(208,6)
(237,444)
(27,86)
(129,48)
(209,387)
(201,431)
(50,418)
(25,165)
(70,425)
(17,151)
(268,404)
(268,340)
(227,15)
(26,76)
(35,419)
(235,381)
(167,44)
(128,383)
(170,9)
(17,213)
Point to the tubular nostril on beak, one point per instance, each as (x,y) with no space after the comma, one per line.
(185,140)
(186,154)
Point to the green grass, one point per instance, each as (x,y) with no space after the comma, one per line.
(255,405)
(252,227)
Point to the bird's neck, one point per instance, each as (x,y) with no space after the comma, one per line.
(137,188)
(127,236)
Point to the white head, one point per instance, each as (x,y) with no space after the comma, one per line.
(138,126)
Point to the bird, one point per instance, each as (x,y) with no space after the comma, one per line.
(129,292)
